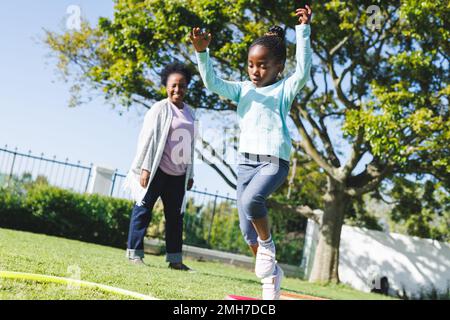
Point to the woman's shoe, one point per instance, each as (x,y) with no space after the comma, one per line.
(138,261)
(179,266)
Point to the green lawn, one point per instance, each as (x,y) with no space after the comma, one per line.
(35,253)
(30,290)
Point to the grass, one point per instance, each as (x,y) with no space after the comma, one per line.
(30,290)
(35,253)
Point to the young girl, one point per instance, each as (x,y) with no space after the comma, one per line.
(265,143)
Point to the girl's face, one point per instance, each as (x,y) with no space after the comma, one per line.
(262,69)
(176,88)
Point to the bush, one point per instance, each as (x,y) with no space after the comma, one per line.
(45,209)
(225,233)
(41,208)
(13,213)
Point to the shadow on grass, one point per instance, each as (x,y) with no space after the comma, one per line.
(196,272)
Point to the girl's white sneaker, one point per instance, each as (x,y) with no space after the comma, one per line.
(265,262)
(271,286)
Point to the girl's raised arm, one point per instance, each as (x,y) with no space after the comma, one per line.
(303,56)
(227,89)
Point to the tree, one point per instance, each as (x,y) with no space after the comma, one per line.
(421,209)
(380,88)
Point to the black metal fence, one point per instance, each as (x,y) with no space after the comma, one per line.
(60,173)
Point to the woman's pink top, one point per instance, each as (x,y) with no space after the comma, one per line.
(177,151)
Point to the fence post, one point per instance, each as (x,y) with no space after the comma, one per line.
(212,217)
(12,165)
(113,183)
(88,178)
(309,247)
(101,180)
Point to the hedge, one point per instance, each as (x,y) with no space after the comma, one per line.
(59,212)
(41,208)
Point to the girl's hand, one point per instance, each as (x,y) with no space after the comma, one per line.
(304,15)
(145,176)
(200,39)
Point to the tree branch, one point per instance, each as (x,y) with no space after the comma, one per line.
(339,45)
(323,136)
(207,145)
(372,184)
(141,103)
(337,81)
(305,211)
(356,154)
(308,146)
(213,166)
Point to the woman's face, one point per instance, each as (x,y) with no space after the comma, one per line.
(262,69)
(176,88)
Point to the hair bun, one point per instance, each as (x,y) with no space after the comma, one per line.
(276,31)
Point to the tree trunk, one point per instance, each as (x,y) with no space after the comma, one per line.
(326,258)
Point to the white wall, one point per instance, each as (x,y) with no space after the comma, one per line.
(409,263)
(101,180)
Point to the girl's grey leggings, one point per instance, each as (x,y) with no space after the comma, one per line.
(258,177)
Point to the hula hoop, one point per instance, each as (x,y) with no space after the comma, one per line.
(68,281)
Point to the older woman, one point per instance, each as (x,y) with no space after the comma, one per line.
(163,167)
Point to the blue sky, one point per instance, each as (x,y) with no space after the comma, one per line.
(34,112)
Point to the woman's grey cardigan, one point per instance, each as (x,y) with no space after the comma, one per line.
(151,143)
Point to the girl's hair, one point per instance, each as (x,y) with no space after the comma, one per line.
(175,67)
(274,40)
